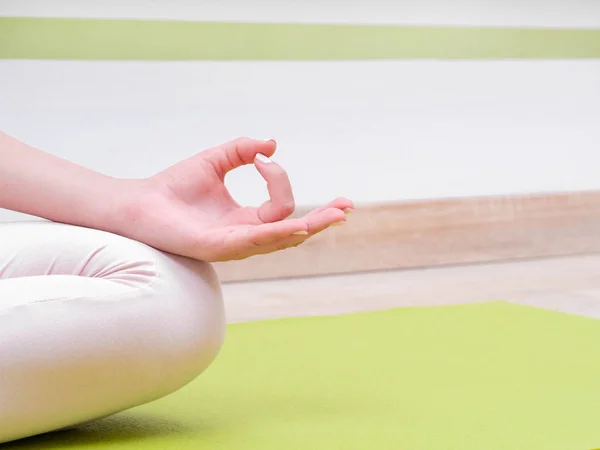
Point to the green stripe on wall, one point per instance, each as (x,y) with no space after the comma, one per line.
(91,39)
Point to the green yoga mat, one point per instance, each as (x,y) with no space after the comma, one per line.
(492,376)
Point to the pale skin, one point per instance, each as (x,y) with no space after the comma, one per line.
(185,209)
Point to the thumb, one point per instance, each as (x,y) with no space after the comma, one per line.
(237,153)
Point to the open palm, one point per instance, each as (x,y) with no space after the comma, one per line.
(187,210)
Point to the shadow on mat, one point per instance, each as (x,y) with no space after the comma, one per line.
(118,428)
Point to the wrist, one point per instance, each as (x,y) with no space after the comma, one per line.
(123,208)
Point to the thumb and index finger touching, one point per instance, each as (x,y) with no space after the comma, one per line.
(244,151)
(238,153)
(281,202)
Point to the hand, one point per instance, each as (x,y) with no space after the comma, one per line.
(187,210)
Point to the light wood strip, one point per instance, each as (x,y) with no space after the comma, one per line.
(569,284)
(438,232)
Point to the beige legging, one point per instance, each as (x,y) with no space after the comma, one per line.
(92,323)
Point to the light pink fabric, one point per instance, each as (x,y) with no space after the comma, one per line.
(92,323)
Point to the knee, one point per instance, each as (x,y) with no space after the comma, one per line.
(131,324)
(171,321)
(189,319)
(175,307)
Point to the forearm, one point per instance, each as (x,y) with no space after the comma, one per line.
(40,184)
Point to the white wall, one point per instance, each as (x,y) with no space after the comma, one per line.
(536,13)
(379,131)
(372,131)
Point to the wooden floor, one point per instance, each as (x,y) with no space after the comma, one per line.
(568,284)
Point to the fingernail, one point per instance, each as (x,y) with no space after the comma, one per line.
(338,224)
(301,233)
(349,210)
(263,159)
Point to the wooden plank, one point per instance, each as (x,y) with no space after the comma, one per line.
(438,232)
(569,284)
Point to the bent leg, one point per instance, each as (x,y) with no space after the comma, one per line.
(92,324)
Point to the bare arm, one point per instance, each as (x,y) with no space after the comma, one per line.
(185,209)
(40,184)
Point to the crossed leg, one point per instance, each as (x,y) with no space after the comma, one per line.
(92,324)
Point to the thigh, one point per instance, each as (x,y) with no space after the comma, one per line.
(92,323)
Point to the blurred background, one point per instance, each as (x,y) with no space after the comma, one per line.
(456,98)
(467,132)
